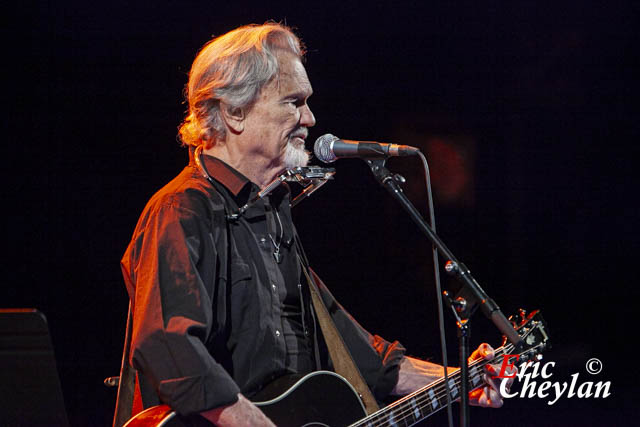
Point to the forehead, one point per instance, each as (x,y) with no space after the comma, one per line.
(292,76)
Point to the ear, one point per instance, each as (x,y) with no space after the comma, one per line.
(233,117)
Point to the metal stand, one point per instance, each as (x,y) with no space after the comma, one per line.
(460,312)
(474,294)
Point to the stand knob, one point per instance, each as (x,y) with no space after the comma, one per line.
(451,267)
(459,304)
(399,178)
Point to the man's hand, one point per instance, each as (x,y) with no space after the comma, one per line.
(243,413)
(489,395)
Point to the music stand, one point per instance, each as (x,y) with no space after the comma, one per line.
(30,392)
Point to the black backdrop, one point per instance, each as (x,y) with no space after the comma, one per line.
(540,96)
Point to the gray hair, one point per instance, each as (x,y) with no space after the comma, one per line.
(232,68)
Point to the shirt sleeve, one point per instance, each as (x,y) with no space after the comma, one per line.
(377,359)
(173,312)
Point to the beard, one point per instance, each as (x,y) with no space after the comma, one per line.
(295,155)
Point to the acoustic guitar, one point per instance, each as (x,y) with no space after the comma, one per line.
(325,398)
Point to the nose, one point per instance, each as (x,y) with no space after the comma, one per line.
(307,118)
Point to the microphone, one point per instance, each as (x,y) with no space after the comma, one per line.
(329,148)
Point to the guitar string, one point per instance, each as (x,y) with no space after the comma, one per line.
(425,401)
(506,349)
(397,412)
(405,407)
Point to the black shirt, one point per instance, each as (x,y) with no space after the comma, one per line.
(269,220)
(212,309)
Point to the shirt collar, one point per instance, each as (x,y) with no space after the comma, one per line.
(233,180)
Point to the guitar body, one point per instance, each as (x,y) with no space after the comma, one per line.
(318,399)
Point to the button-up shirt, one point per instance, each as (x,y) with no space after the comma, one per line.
(214,314)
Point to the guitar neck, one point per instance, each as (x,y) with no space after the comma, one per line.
(429,399)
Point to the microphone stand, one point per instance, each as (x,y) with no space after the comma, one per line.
(470,287)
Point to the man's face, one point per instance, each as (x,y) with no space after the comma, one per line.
(276,125)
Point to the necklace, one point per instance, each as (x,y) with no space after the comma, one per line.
(276,245)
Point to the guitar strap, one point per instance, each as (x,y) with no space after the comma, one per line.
(127,381)
(342,359)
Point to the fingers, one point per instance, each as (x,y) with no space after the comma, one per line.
(484,351)
(486,397)
(508,375)
(491,377)
(489,395)
(474,396)
(487,351)
(510,372)
(490,398)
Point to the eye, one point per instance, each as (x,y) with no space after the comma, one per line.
(297,102)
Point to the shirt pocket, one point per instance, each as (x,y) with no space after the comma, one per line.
(243,296)
(240,271)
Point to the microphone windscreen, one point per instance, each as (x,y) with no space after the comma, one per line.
(323,148)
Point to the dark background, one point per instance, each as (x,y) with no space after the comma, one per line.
(535,98)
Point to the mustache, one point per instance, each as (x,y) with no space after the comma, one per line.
(299,133)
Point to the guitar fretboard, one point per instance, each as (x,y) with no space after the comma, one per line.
(430,399)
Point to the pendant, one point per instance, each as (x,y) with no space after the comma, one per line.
(277,256)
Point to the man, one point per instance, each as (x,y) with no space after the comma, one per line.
(220,306)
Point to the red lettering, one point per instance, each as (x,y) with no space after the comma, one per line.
(506,364)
